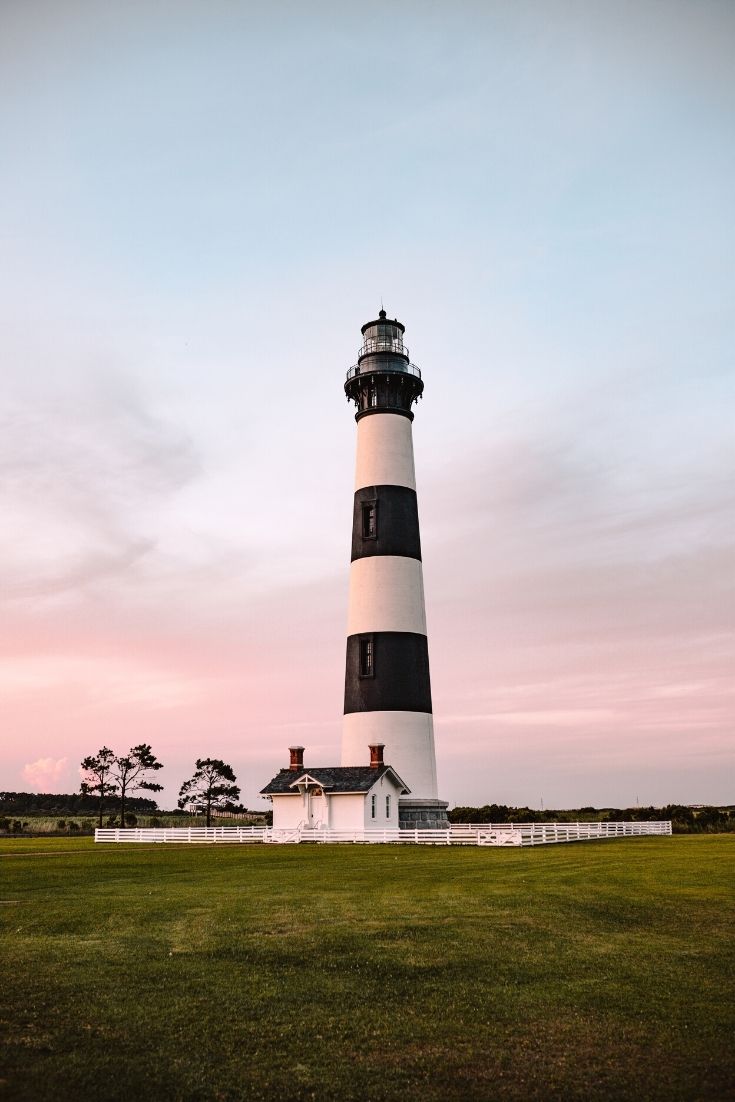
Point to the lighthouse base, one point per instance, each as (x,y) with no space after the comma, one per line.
(414,814)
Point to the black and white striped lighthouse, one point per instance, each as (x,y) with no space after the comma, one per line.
(387,684)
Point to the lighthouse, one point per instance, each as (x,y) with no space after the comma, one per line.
(387,699)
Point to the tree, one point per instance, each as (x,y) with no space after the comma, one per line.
(96,780)
(212,785)
(129,773)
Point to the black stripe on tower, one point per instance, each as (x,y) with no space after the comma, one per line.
(387,671)
(385,521)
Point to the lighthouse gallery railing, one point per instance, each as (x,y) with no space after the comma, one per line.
(395,368)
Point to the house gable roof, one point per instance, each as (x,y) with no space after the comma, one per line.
(332,778)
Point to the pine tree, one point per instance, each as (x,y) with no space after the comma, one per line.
(212,786)
(129,772)
(97,773)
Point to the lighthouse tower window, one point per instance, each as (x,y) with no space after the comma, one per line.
(370,520)
(367,658)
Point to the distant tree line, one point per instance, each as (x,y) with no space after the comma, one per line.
(684,820)
(61,803)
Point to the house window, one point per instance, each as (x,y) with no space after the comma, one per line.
(367,658)
(370,520)
(373,806)
(387,807)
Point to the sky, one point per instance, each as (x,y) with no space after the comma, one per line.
(200,205)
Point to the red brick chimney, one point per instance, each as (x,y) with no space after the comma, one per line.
(297,758)
(376,755)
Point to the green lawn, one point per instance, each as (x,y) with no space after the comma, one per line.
(582,971)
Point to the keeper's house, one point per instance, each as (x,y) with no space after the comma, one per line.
(337,797)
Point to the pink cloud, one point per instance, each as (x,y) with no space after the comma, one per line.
(46,774)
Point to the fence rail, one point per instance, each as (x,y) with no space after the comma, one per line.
(181,834)
(543,834)
(459,834)
(412,837)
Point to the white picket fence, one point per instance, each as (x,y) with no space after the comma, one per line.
(544,834)
(460,834)
(324,834)
(181,834)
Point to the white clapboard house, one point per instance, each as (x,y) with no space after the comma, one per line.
(336,797)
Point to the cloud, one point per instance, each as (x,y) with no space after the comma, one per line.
(46,774)
(87,472)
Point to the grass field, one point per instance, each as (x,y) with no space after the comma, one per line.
(588,971)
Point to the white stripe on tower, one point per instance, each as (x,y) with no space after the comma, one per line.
(387,684)
(411,738)
(386,594)
(384,452)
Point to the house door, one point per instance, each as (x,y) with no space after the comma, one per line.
(317,808)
